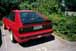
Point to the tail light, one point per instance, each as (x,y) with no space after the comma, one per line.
(21,30)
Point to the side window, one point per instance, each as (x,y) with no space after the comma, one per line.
(11,16)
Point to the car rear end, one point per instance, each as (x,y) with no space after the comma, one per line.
(33,26)
(34,31)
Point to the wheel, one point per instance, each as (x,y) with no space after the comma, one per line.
(14,41)
(12,38)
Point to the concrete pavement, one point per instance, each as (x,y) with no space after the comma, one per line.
(55,45)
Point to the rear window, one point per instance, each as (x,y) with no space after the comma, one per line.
(30,17)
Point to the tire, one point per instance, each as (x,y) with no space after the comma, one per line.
(14,41)
(12,38)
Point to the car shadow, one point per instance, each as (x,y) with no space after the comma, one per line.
(37,41)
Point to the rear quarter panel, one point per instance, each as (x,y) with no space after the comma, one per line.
(7,22)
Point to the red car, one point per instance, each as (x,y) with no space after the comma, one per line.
(26,25)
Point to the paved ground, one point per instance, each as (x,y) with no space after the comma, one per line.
(55,45)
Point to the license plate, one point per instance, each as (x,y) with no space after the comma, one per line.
(37,27)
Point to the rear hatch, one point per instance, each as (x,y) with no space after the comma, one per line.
(33,22)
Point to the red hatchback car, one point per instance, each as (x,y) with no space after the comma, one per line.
(26,25)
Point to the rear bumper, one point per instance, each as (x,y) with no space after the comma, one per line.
(32,35)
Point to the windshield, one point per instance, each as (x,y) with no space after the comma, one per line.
(30,17)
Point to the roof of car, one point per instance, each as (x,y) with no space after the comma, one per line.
(22,11)
(30,11)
